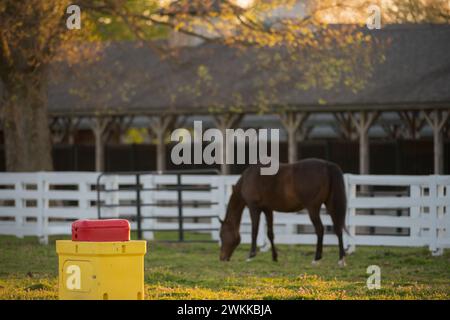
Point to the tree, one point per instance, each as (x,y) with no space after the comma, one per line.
(33,32)
(417,11)
(29,32)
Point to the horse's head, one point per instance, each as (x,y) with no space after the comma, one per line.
(229,231)
(230,239)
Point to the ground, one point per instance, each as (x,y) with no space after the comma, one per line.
(28,270)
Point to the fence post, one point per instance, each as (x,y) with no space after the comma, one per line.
(18,203)
(84,202)
(349,239)
(218,197)
(138,206)
(415,231)
(444,192)
(43,205)
(437,214)
(440,214)
(148,211)
(111,198)
(180,209)
(434,215)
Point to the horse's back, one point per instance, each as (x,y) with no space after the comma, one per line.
(294,187)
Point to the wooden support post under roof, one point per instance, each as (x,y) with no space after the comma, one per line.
(393,131)
(57,130)
(159,126)
(446,130)
(362,125)
(223,122)
(100,126)
(72,127)
(345,128)
(292,122)
(123,123)
(437,119)
(63,129)
(414,122)
(304,132)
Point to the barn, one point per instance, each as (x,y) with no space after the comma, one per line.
(396,124)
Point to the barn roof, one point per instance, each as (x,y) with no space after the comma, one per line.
(133,79)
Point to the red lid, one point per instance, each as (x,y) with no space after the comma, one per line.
(101,230)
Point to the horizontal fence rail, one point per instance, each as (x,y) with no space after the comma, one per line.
(382,210)
(157,200)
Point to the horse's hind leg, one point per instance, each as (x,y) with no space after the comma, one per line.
(270,235)
(255,214)
(341,262)
(338,232)
(314,215)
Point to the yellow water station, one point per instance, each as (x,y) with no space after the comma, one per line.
(96,270)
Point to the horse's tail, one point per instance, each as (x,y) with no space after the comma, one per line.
(337,199)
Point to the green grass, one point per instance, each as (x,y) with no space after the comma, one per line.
(28,270)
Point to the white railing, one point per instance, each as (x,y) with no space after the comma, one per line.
(427,199)
(42,204)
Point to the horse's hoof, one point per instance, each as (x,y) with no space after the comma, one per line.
(341,263)
(249,259)
(265,247)
(315,262)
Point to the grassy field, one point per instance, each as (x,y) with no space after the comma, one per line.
(192,271)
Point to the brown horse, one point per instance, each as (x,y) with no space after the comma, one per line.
(306,184)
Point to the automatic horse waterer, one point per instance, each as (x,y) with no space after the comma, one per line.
(101,262)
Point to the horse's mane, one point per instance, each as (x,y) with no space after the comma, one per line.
(235,205)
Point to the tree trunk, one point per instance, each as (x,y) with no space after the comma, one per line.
(25,125)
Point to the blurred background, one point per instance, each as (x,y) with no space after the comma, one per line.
(365,84)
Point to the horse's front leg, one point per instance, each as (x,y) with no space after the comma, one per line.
(254,217)
(270,235)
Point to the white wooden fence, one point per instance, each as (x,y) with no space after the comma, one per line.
(42,204)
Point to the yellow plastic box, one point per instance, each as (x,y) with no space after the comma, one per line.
(101,270)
